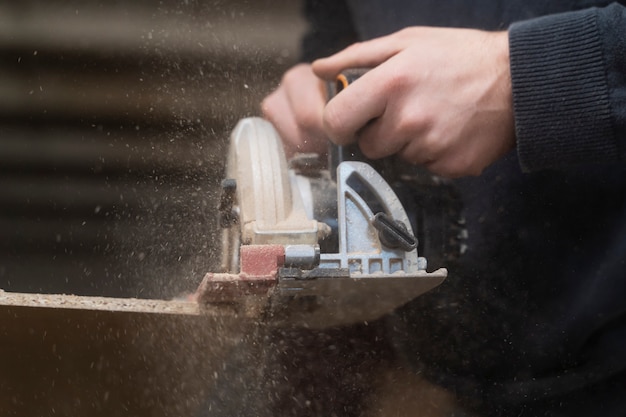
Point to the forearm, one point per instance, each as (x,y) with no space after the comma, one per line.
(569,91)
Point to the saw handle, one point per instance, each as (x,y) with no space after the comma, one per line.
(387,167)
(338,154)
(344,79)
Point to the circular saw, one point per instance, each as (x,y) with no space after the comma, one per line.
(309,244)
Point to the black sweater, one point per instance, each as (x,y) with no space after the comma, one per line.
(532,321)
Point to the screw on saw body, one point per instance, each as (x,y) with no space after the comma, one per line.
(228,216)
(393,233)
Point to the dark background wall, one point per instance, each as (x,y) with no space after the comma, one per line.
(114,119)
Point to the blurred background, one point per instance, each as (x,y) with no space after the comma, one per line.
(114,120)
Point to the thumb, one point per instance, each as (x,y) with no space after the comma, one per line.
(366,54)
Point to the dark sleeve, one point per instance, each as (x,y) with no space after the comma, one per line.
(330,28)
(569,88)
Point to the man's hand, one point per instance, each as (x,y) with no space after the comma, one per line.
(436,97)
(296,109)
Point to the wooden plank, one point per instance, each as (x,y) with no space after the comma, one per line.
(96,356)
(107,304)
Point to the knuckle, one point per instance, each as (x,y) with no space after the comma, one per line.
(289,77)
(308,119)
(407,127)
(375,148)
(408,33)
(294,74)
(356,46)
(368,150)
(268,106)
(415,123)
(333,124)
(434,146)
(397,81)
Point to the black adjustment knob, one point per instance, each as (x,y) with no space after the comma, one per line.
(393,234)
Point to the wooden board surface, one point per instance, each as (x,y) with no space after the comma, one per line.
(79,356)
(95,356)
